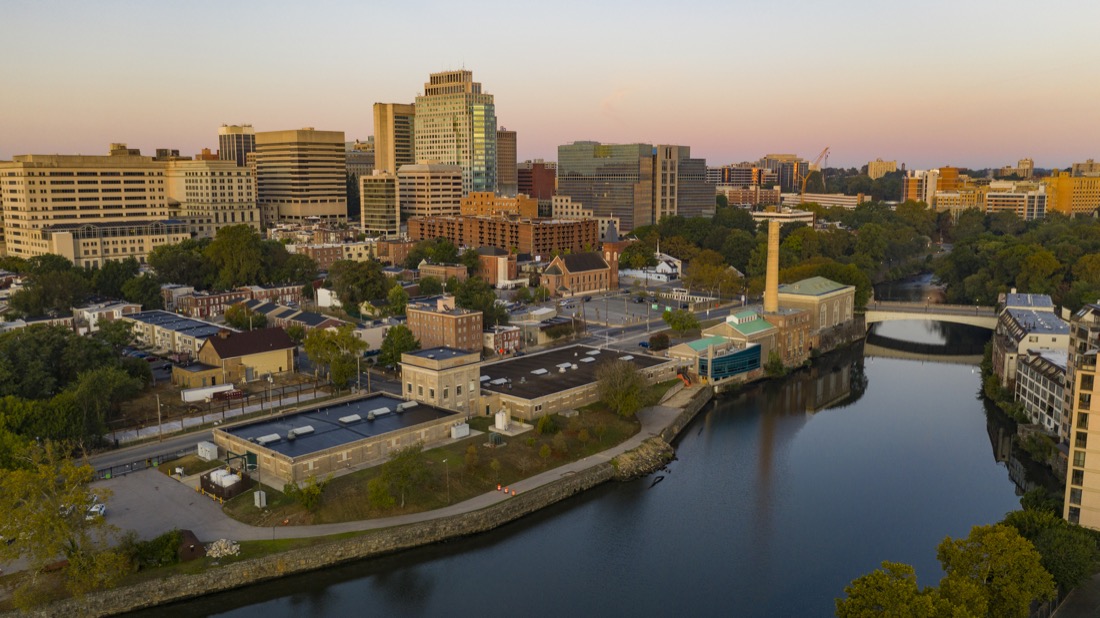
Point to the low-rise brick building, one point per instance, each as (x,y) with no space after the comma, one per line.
(441,324)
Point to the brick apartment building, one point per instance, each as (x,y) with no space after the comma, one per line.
(441,324)
(443,272)
(497,266)
(532,236)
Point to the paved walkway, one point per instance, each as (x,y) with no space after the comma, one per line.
(151,502)
(1082,602)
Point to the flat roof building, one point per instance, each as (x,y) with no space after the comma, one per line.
(324,440)
(535,385)
(301,175)
(393,136)
(455,123)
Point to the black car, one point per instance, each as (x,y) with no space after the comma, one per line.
(587,298)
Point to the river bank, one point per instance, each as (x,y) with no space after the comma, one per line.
(648,451)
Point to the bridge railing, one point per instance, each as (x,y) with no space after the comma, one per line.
(887,305)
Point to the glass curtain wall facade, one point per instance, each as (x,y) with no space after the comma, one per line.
(456,124)
(609,179)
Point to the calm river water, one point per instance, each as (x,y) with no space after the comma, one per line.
(781,495)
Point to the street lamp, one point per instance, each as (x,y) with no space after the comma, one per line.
(447,473)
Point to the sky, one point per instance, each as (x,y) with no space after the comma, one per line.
(966,83)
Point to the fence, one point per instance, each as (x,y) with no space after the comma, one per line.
(141,464)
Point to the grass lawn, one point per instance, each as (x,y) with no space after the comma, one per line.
(456,472)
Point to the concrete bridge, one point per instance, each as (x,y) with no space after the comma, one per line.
(872,351)
(974,315)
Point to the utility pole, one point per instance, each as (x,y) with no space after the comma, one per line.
(447,473)
(160,428)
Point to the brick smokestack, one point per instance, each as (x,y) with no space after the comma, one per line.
(771,281)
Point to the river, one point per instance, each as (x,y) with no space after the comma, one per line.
(780,496)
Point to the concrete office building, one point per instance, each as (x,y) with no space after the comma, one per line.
(393,136)
(456,124)
(359,158)
(1023,170)
(88,209)
(563,207)
(1072,195)
(301,175)
(235,142)
(1088,168)
(429,190)
(1027,200)
(789,169)
(379,212)
(637,183)
(878,168)
(210,195)
(507,173)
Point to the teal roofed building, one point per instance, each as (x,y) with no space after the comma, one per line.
(830,303)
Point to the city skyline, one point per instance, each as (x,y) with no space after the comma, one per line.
(938,84)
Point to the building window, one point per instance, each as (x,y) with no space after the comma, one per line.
(1078,477)
(1075,496)
(420,390)
(431,393)
(1074,515)
(1079,458)
(410,389)
(1082,440)
(1082,420)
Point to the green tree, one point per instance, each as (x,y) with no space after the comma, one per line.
(357,282)
(183,263)
(774,367)
(1068,552)
(337,349)
(471,458)
(298,268)
(100,393)
(241,317)
(1003,565)
(681,321)
(544,451)
(236,254)
(622,387)
(115,333)
(475,294)
(43,501)
(889,592)
(397,298)
(108,279)
(430,286)
(144,290)
(637,256)
(297,333)
(406,469)
(378,494)
(308,495)
(398,340)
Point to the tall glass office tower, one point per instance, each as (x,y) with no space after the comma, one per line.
(456,124)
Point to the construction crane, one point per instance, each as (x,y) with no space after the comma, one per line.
(816,166)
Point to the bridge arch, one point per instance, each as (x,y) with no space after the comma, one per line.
(982,317)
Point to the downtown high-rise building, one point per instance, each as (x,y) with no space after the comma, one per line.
(789,169)
(507,174)
(378,206)
(638,184)
(235,142)
(301,175)
(456,124)
(393,136)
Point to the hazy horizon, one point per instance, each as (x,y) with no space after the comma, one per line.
(934,84)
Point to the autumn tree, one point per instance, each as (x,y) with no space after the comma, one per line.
(43,502)
(337,349)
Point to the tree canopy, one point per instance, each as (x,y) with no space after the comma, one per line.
(622,387)
(398,340)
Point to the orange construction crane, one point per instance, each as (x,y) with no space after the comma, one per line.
(816,166)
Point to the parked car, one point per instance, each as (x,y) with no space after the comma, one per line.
(97,510)
(639,300)
(587,298)
(644,344)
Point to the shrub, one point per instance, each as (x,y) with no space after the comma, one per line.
(546,425)
(544,452)
(560,445)
(157,552)
(658,342)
